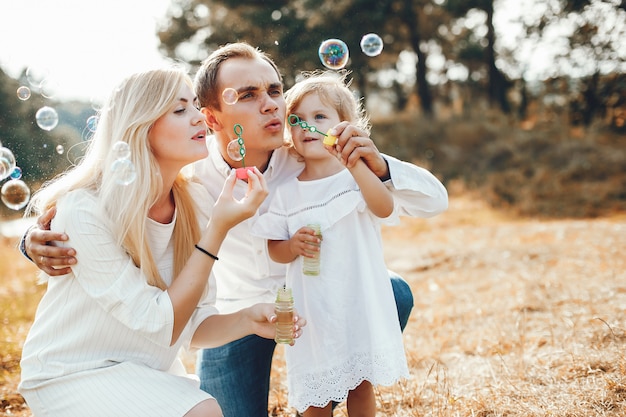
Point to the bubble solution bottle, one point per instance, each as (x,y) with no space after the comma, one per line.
(311,266)
(283,307)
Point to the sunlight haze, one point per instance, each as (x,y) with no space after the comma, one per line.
(86,47)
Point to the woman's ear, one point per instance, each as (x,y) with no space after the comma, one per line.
(211,121)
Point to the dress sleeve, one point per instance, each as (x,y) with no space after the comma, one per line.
(416,191)
(106,272)
(273,223)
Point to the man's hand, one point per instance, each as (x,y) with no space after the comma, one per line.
(53,260)
(354,144)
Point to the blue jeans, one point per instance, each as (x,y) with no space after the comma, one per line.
(238,373)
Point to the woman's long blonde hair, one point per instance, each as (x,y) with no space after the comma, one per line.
(128,116)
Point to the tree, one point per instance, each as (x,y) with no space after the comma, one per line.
(498,84)
(595,32)
(294,30)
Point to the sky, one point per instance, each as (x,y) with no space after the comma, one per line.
(85,46)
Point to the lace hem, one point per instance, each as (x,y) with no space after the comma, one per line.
(317,389)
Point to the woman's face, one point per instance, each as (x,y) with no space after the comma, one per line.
(178,138)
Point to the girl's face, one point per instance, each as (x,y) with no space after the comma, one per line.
(178,137)
(315,113)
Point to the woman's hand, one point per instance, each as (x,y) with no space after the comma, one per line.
(263,320)
(229,211)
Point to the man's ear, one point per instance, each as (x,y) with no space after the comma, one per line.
(211,120)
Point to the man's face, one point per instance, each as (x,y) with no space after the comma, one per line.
(256,103)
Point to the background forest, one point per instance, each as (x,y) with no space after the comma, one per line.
(458,88)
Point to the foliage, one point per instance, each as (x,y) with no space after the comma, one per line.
(291,31)
(35,150)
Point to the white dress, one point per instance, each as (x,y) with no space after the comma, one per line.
(352,332)
(100,342)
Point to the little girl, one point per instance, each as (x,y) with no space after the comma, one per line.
(354,340)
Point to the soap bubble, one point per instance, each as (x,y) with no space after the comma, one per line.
(334,53)
(124,171)
(7,163)
(236,151)
(47,118)
(92,123)
(60,149)
(23,93)
(371,44)
(230,96)
(15,194)
(37,75)
(49,88)
(121,150)
(17,173)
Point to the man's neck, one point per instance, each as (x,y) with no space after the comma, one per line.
(260,160)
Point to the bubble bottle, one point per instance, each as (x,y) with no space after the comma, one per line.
(311,266)
(283,307)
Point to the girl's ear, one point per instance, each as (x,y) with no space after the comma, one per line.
(211,120)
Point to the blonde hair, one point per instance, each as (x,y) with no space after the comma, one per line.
(128,116)
(333,90)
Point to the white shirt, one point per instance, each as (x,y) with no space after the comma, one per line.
(104,312)
(245,274)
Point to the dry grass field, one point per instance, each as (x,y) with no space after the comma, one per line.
(513,316)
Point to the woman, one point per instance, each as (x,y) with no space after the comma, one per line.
(105,338)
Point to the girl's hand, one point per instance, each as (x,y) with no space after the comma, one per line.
(305,243)
(354,144)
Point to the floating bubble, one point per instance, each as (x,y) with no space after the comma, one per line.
(235,150)
(50,88)
(230,96)
(60,149)
(124,171)
(92,123)
(7,163)
(17,173)
(96,103)
(47,118)
(23,93)
(36,75)
(121,150)
(15,194)
(371,44)
(334,53)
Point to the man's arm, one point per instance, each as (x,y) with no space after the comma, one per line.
(416,191)
(35,245)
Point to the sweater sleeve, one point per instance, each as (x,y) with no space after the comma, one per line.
(416,191)
(106,272)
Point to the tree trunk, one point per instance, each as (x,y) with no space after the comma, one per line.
(498,84)
(410,18)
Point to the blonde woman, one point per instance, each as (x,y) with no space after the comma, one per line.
(106,336)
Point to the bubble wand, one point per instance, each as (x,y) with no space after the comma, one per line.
(237,151)
(238,129)
(329,139)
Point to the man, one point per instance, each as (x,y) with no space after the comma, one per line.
(238,374)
